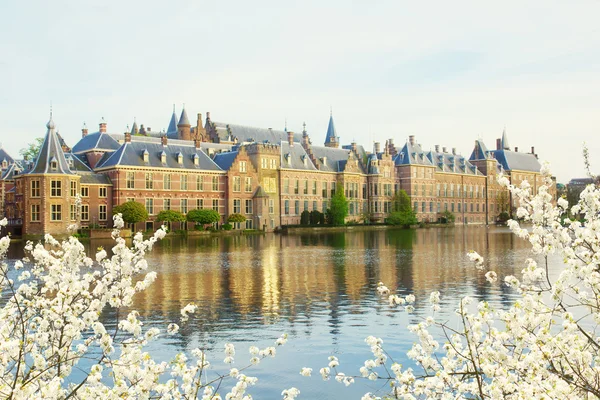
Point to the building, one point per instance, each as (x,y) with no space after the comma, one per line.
(269,176)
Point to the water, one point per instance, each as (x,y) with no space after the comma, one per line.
(318,288)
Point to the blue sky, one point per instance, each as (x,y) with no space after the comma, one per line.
(447,72)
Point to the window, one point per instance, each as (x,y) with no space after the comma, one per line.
(149,181)
(184,182)
(249,224)
(102,212)
(264,163)
(237,206)
(56,189)
(287,207)
(305,187)
(286,185)
(324,190)
(273,163)
(237,184)
(184,206)
(215,204)
(199,204)
(248,206)
(166,204)
(438,207)
(73,188)
(150,206)
(296,207)
(332,189)
(431,206)
(271,206)
(102,191)
(56,212)
(305,205)
(54,165)
(314,205)
(73,209)
(314,187)
(416,206)
(35,212)
(130,178)
(248,184)
(35,188)
(167,181)
(85,212)
(215,183)
(324,206)
(423,207)
(458,205)
(452,207)
(199,183)
(297,187)
(242,166)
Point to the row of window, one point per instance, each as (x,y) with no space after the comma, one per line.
(56,189)
(184,204)
(56,212)
(186,182)
(459,208)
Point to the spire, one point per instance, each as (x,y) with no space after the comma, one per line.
(134,128)
(183,120)
(505,144)
(173,123)
(51,157)
(331,138)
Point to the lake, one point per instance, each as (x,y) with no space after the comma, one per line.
(318,288)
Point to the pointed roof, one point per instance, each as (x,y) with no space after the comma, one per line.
(50,152)
(5,156)
(260,192)
(331,136)
(480,151)
(173,123)
(505,144)
(134,129)
(183,120)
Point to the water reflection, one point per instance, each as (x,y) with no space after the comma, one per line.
(320,288)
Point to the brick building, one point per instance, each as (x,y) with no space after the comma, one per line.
(270,176)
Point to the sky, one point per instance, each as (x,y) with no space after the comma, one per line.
(447,72)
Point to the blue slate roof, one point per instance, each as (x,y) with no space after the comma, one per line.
(519,161)
(5,156)
(331,159)
(10,172)
(95,141)
(331,135)
(243,133)
(131,154)
(94,179)
(51,152)
(173,123)
(295,157)
(448,162)
(225,160)
(183,119)
(411,154)
(480,151)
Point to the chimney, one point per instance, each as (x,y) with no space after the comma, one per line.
(443,149)
(498,144)
(290,138)
(392,148)
(163,140)
(102,126)
(84,131)
(377,147)
(386,148)
(127,137)
(208,115)
(353,146)
(411,140)
(532,150)
(454,150)
(197,143)
(437,148)
(516,149)
(148,129)
(199,120)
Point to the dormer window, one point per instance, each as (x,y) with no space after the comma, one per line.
(304,159)
(196,159)
(4,164)
(288,158)
(163,157)
(145,156)
(324,160)
(180,158)
(53,164)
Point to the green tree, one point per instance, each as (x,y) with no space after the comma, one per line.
(339,208)
(315,217)
(132,212)
(448,217)
(31,151)
(170,216)
(236,218)
(401,201)
(402,218)
(305,217)
(203,216)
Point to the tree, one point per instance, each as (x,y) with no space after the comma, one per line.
(305,217)
(132,212)
(236,218)
(316,217)
(448,217)
(338,209)
(170,216)
(401,201)
(402,218)
(203,216)
(30,152)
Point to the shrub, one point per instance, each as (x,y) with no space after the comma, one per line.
(203,216)
(236,218)
(226,227)
(305,217)
(132,212)
(170,216)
